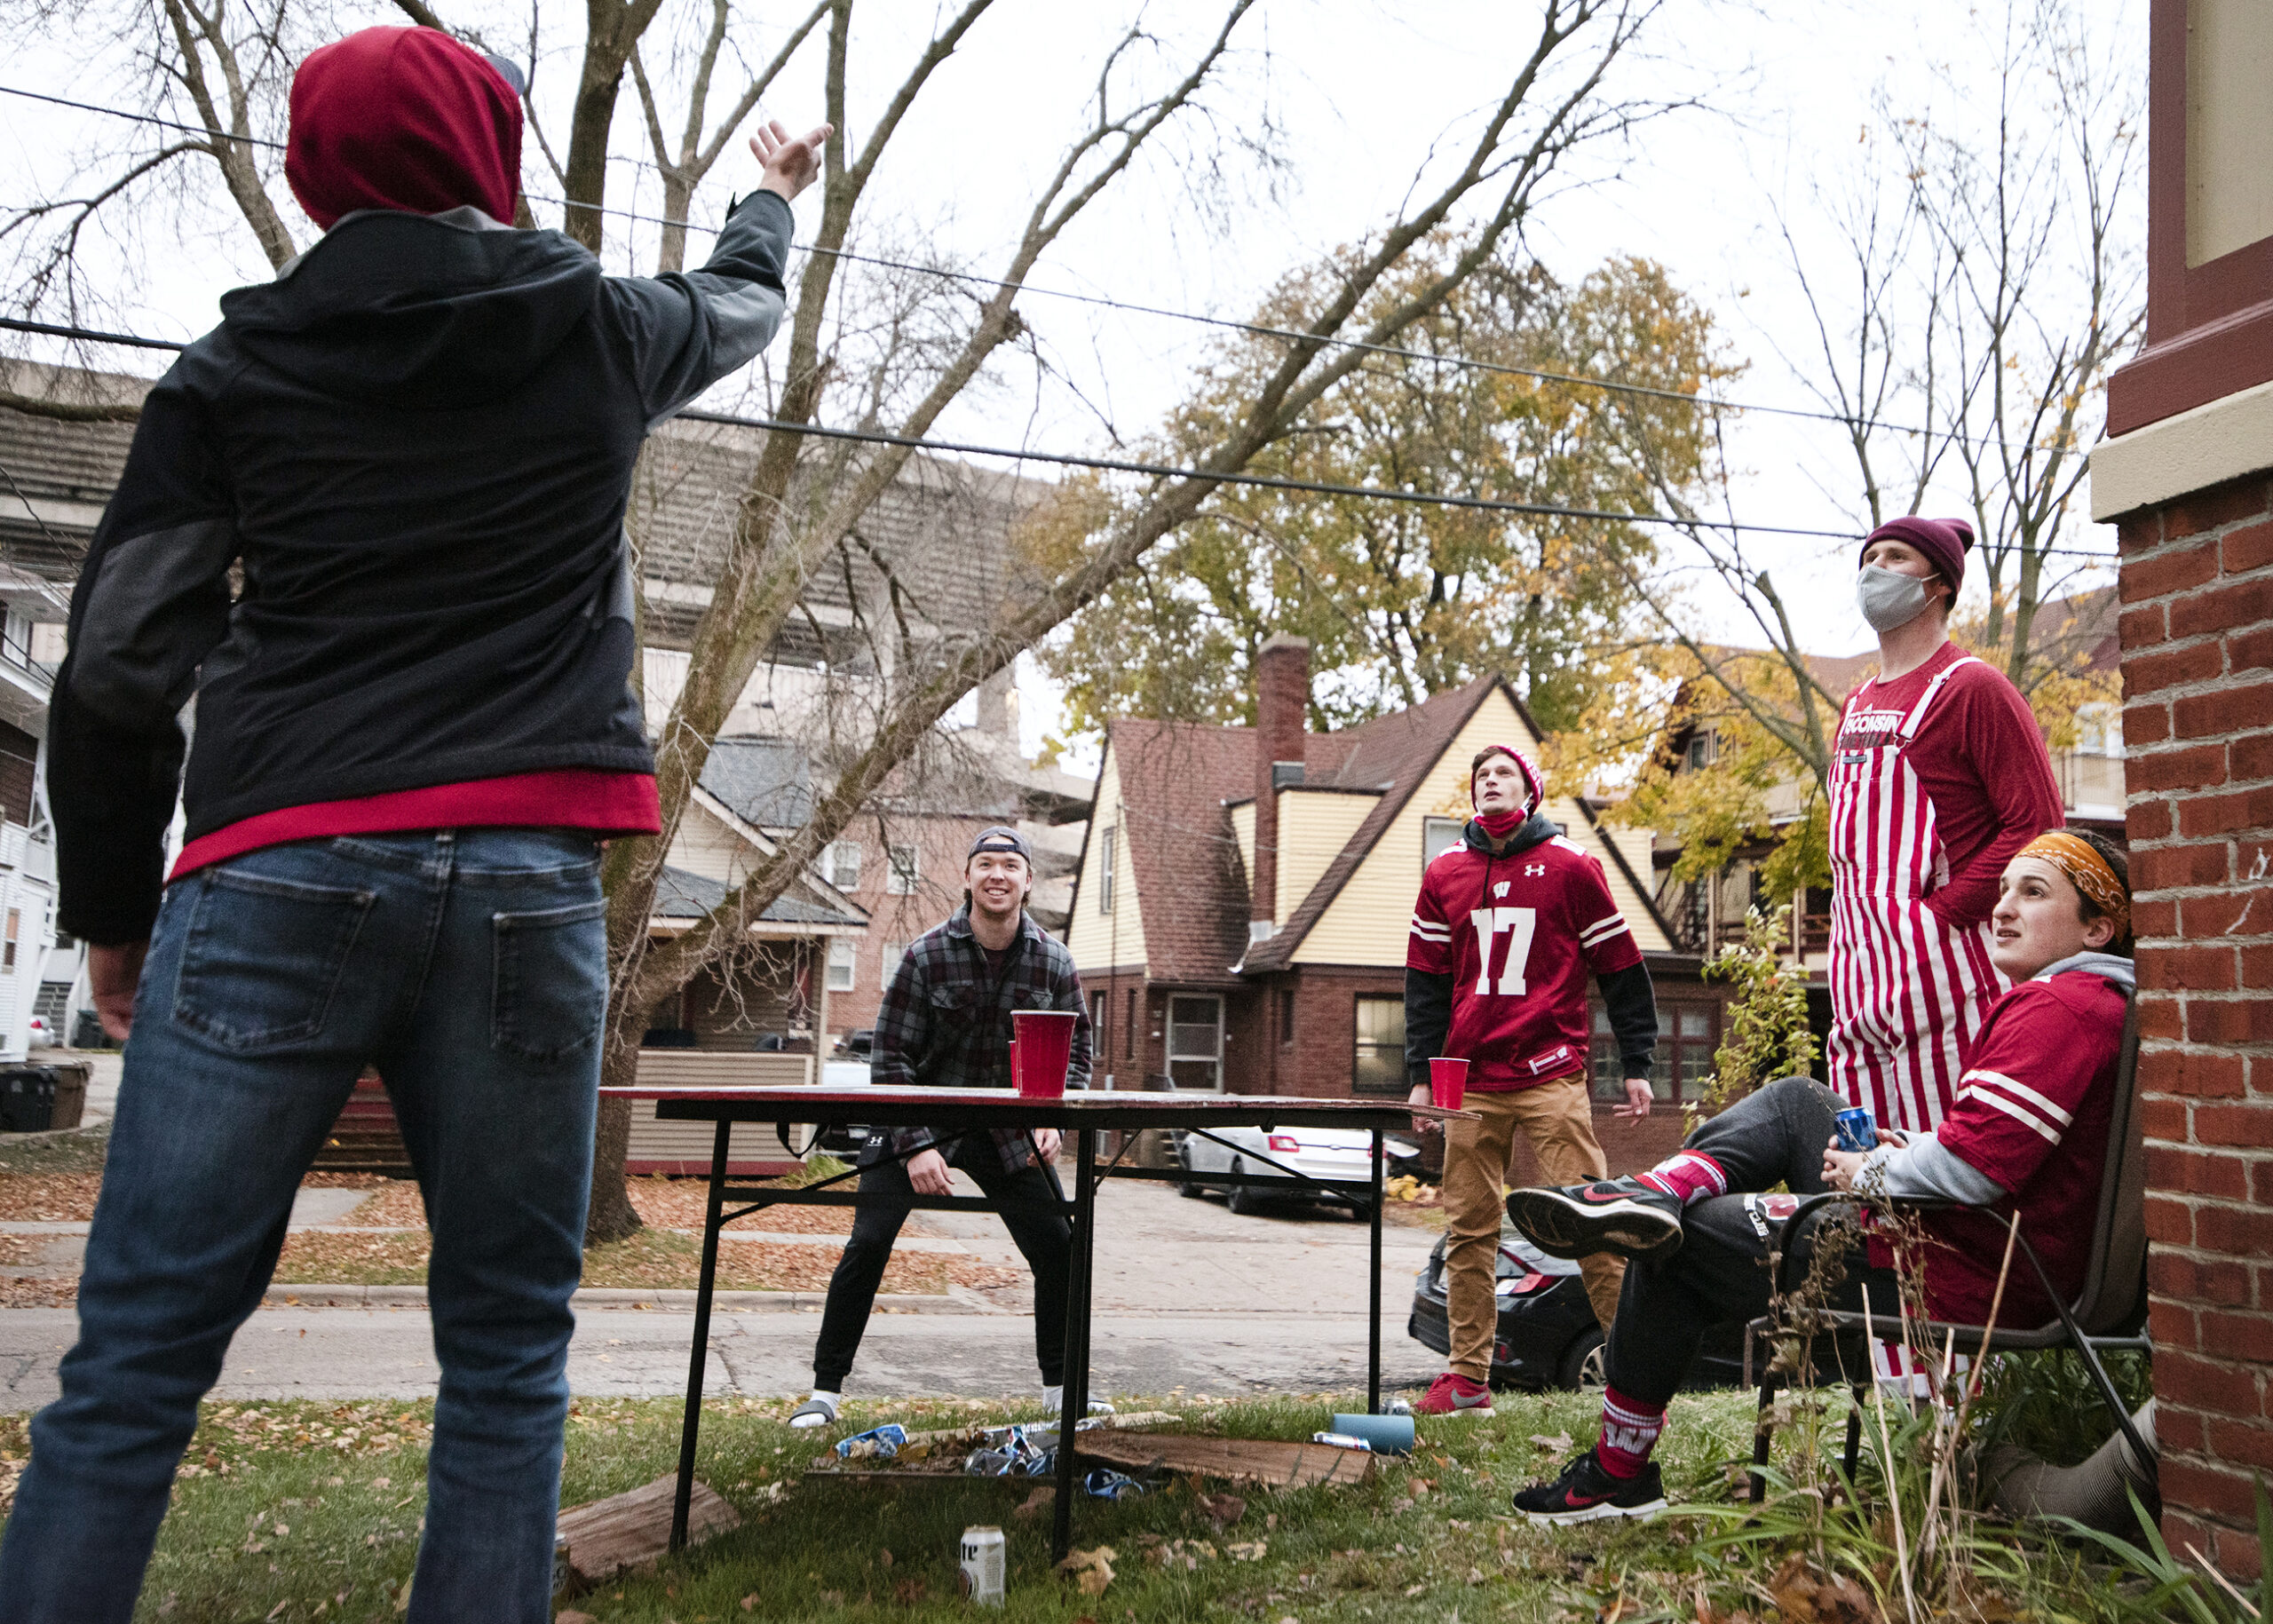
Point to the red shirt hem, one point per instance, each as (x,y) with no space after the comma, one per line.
(572,798)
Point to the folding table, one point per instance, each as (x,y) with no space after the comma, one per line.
(952,1113)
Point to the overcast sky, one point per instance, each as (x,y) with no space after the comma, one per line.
(1356,100)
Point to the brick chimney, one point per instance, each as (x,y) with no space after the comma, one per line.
(1282,692)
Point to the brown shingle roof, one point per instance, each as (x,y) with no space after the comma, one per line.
(1176,780)
(1395,751)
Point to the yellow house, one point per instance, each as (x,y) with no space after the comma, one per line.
(1241,911)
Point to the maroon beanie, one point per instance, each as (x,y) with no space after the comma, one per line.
(406,119)
(1944,542)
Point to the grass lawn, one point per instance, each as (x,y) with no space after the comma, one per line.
(300,1511)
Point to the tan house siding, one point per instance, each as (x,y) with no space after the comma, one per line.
(1314,826)
(1366,924)
(705,845)
(1100,941)
(1243,830)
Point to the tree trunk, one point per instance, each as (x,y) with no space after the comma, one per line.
(612,1216)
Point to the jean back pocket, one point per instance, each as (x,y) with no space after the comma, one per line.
(550,994)
(263,957)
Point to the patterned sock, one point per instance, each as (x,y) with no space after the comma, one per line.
(1686,1175)
(1629,1431)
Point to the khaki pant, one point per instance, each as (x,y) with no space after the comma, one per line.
(1558,1119)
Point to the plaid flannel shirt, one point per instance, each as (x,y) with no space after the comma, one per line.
(944,1022)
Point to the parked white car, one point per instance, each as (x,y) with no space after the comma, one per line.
(1343,1154)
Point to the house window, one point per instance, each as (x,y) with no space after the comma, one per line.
(1287,1018)
(900,882)
(2099,729)
(1378,1064)
(15,929)
(1112,840)
(841,949)
(1687,1035)
(1128,1032)
(1438,836)
(1700,749)
(1100,1012)
(840,864)
(888,966)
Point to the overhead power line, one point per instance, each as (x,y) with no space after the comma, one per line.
(1066,459)
(1104,302)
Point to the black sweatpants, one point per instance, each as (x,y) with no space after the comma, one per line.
(1027,1201)
(1719,1276)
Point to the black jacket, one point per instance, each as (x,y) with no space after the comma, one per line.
(1627,996)
(417,442)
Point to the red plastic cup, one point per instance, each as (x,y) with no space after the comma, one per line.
(1041,1048)
(1448,1082)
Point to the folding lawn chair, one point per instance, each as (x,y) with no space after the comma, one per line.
(2109,1313)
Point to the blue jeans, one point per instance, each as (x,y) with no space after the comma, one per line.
(470,967)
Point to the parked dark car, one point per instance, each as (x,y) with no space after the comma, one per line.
(1547,1336)
(860,1041)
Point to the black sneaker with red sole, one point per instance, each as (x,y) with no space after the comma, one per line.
(1585,1494)
(1613,1215)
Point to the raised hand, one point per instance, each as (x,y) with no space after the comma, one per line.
(790,163)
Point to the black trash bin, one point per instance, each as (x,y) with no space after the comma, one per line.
(27,1098)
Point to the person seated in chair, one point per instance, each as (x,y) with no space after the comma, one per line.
(2027,1137)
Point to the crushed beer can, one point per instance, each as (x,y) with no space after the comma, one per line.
(878,1443)
(1858,1129)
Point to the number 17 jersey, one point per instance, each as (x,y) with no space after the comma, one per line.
(1518,935)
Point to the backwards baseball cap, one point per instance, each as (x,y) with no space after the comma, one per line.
(1533,785)
(407,119)
(1944,542)
(1001,838)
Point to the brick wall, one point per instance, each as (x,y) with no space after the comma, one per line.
(2198,674)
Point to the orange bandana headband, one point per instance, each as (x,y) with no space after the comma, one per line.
(2087,871)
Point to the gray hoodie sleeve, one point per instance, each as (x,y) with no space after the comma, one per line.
(1922,1170)
(687,329)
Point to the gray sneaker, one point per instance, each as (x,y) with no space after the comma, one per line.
(1623,1216)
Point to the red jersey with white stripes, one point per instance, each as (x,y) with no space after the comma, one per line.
(1518,935)
(2032,1112)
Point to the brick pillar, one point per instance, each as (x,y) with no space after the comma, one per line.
(2198,723)
(1282,694)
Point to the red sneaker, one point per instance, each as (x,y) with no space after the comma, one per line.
(1453,1394)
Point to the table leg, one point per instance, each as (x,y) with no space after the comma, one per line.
(1076,1405)
(691,1428)
(1374,1295)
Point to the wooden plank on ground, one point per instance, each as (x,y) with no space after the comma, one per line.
(633,1528)
(1266,1463)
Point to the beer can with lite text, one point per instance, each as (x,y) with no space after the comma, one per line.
(1858,1129)
(983,1566)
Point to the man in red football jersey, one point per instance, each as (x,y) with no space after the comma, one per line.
(1510,923)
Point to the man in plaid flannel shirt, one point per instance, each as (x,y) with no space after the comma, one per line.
(944,1022)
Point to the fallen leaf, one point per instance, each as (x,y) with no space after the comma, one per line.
(1092,1569)
(1222,1509)
(1558,1444)
(1247,1550)
(1034,1504)
(907,1592)
(884,1556)
(749,1603)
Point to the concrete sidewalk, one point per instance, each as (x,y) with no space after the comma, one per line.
(382,1353)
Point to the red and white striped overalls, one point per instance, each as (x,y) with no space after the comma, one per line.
(1907,991)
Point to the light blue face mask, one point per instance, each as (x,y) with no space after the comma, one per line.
(1888,597)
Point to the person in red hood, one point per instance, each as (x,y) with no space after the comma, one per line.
(1509,924)
(373,525)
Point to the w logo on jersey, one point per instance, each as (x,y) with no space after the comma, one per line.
(1500,889)
(1534,868)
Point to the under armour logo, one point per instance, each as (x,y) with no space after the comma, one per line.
(1530,868)
(1500,889)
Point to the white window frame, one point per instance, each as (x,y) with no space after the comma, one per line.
(844,959)
(902,879)
(1438,836)
(1111,843)
(1170,1055)
(840,864)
